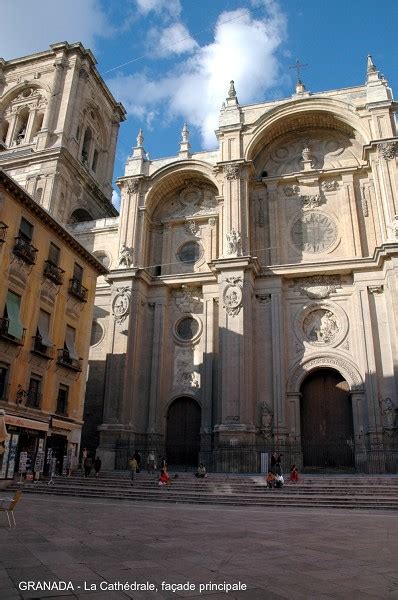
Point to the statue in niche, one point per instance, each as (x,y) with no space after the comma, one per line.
(266,421)
(125,256)
(388,413)
(234,242)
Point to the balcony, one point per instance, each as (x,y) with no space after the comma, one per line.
(4,332)
(3,232)
(24,250)
(65,360)
(53,272)
(39,348)
(78,290)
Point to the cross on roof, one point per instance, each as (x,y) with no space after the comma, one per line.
(298,65)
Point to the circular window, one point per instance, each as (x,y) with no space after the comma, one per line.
(187,328)
(96,333)
(189,253)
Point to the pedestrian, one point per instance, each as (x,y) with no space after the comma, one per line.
(279,464)
(97,466)
(137,457)
(270,479)
(273,463)
(163,463)
(133,468)
(294,476)
(84,456)
(151,462)
(201,472)
(88,465)
(164,478)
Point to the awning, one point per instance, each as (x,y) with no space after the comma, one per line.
(43,327)
(70,343)
(26,423)
(57,424)
(15,327)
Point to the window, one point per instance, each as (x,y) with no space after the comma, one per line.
(189,253)
(53,254)
(95,161)
(26,230)
(78,273)
(3,380)
(187,328)
(11,324)
(62,400)
(34,391)
(69,346)
(88,136)
(42,341)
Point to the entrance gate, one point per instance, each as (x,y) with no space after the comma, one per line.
(326,421)
(183,432)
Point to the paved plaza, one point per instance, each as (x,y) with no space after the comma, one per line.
(276,553)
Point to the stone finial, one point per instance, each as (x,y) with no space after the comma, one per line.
(231,91)
(185,133)
(184,144)
(140,139)
(371,68)
(300,87)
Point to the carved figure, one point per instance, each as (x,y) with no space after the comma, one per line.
(393,227)
(234,242)
(121,304)
(321,326)
(388,413)
(266,421)
(125,256)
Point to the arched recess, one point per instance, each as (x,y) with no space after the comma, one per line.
(80,215)
(183,432)
(303,115)
(182,206)
(346,367)
(15,107)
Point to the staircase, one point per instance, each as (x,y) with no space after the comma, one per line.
(322,491)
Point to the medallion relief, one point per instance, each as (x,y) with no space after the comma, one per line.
(233,295)
(314,232)
(121,304)
(321,324)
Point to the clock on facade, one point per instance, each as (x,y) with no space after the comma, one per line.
(314,232)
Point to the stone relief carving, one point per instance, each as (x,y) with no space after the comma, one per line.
(212,222)
(261,217)
(234,243)
(133,186)
(311,201)
(387,150)
(314,232)
(388,413)
(292,190)
(121,304)
(232,171)
(393,229)
(126,256)
(192,200)
(320,326)
(191,227)
(364,201)
(318,286)
(263,298)
(375,289)
(233,295)
(346,345)
(266,421)
(340,364)
(330,185)
(188,300)
(185,375)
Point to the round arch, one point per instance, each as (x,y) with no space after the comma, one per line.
(79,215)
(341,364)
(20,87)
(309,112)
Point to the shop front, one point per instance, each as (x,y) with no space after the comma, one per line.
(62,447)
(24,437)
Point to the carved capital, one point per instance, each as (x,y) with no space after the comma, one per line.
(387,150)
(375,289)
(133,186)
(232,171)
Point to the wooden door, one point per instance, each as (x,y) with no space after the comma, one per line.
(326,420)
(183,432)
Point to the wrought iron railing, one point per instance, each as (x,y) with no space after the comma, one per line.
(5,333)
(343,457)
(65,360)
(78,290)
(39,348)
(53,272)
(24,250)
(3,232)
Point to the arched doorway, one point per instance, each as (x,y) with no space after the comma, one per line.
(326,421)
(183,432)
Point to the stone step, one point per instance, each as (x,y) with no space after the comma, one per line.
(273,498)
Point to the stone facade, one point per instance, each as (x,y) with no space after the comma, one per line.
(235,274)
(58,131)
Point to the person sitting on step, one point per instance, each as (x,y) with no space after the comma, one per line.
(294,476)
(270,479)
(201,472)
(164,478)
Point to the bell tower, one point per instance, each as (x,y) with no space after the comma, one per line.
(58,131)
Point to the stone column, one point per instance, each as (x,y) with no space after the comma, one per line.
(273,223)
(387,153)
(207,369)
(352,226)
(278,363)
(155,394)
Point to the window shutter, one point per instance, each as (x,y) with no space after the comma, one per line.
(15,327)
(43,327)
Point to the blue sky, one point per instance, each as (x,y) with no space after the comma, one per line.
(181,54)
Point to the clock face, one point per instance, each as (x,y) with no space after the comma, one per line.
(314,232)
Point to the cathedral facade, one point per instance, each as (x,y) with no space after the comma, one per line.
(252,297)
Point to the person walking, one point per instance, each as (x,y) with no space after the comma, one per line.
(273,463)
(97,466)
(88,465)
(137,457)
(133,468)
(151,462)
(279,464)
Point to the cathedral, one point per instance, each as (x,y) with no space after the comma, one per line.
(251,303)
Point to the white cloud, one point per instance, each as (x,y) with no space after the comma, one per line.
(28,26)
(244,49)
(175,39)
(116,199)
(164,8)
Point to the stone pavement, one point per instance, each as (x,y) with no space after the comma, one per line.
(277,553)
